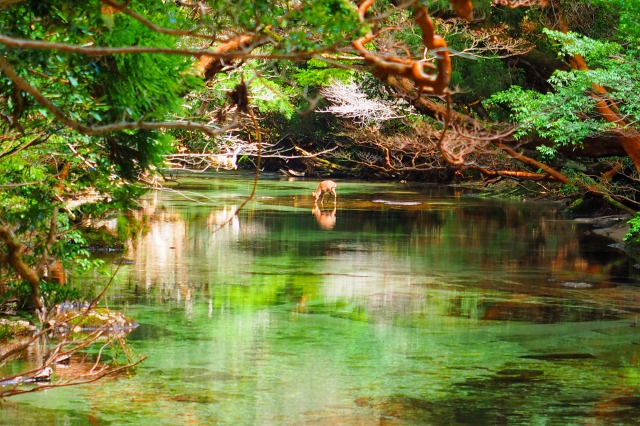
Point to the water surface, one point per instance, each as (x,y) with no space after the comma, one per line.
(402,305)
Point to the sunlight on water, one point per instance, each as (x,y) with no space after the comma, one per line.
(404,305)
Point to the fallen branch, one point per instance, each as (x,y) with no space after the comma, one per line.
(325,163)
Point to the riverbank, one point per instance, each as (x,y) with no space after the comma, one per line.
(615,227)
(604,219)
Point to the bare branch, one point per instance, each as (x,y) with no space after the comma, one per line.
(485,42)
(349,102)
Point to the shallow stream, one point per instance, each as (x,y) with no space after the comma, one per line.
(403,305)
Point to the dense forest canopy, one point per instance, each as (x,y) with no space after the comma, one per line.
(100,99)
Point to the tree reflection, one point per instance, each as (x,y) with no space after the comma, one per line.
(392,260)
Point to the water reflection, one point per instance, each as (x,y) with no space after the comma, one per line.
(421,306)
(398,259)
(326,218)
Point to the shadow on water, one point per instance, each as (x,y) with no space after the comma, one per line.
(401,305)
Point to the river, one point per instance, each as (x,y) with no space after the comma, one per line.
(403,304)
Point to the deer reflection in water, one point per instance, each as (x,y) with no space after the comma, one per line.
(326,218)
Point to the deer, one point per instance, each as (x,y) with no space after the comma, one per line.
(324,187)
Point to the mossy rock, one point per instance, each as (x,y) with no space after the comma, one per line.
(84,320)
(10,328)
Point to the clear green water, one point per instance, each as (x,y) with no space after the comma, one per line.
(416,306)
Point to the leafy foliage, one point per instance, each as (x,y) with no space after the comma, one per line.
(45,165)
(596,52)
(633,236)
(482,78)
(317,73)
(566,115)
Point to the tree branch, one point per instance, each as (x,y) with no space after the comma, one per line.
(144,21)
(13,257)
(24,85)
(22,43)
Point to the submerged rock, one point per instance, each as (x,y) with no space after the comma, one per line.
(517,375)
(559,357)
(629,401)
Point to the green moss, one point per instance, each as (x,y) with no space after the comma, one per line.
(5,332)
(576,203)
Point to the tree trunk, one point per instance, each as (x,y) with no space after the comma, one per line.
(13,258)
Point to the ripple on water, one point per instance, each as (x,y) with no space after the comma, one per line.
(397,203)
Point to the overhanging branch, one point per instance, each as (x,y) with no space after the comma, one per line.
(7,69)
